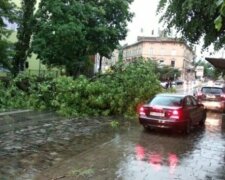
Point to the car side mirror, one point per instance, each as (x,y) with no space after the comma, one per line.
(200,104)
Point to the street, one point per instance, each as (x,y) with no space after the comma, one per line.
(41,145)
(135,154)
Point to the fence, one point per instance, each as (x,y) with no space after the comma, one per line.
(42,73)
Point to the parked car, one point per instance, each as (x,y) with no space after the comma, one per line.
(163,84)
(166,84)
(179,112)
(212,97)
(219,83)
(178,82)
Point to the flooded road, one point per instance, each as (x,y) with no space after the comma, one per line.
(66,149)
(132,153)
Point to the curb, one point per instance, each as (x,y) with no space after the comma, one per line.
(14,112)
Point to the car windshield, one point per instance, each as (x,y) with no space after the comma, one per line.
(212,90)
(166,101)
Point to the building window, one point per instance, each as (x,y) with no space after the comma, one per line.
(161,62)
(173,63)
(139,50)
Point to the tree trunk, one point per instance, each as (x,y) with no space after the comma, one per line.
(24,33)
(100,64)
(16,67)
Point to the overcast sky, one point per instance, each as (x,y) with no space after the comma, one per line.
(145,18)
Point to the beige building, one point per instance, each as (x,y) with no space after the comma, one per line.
(166,51)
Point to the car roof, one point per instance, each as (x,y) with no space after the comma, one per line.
(214,86)
(173,95)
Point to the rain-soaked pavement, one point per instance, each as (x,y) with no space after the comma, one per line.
(38,147)
(41,145)
(135,154)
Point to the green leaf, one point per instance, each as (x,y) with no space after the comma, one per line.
(218,23)
(219,2)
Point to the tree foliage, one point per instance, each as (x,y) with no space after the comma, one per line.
(194,20)
(219,21)
(167,73)
(24,33)
(110,27)
(118,92)
(7,15)
(68,32)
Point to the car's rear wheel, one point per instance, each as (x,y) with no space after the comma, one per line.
(223,111)
(146,128)
(202,122)
(187,128)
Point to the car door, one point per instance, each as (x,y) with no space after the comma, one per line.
(191,110)
(198,110)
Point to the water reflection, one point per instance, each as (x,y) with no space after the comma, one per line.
(155,159)
(140,152)
(214,121)
(168,154)
(128,154)
(173,162)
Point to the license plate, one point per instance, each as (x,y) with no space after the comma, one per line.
(211,96)
(157,114)
(212,104)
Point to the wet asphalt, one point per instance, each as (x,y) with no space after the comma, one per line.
(132,153)
(44,146)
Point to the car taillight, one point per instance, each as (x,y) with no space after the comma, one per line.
(199,93)
(222,96)
(174,114)
(143,111)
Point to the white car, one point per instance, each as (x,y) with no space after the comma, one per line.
(163,84)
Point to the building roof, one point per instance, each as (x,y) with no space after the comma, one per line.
(218,63)
(141,39)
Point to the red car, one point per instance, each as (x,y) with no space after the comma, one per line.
(172,111)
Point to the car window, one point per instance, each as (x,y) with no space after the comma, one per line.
(188,101)
(166,101)
(212,90)
(194,102)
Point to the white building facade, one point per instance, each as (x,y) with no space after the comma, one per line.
(106,63)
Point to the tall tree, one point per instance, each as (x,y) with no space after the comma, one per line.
(110,26)
(69,32)
(24,33)
(194,19)
(7,15)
